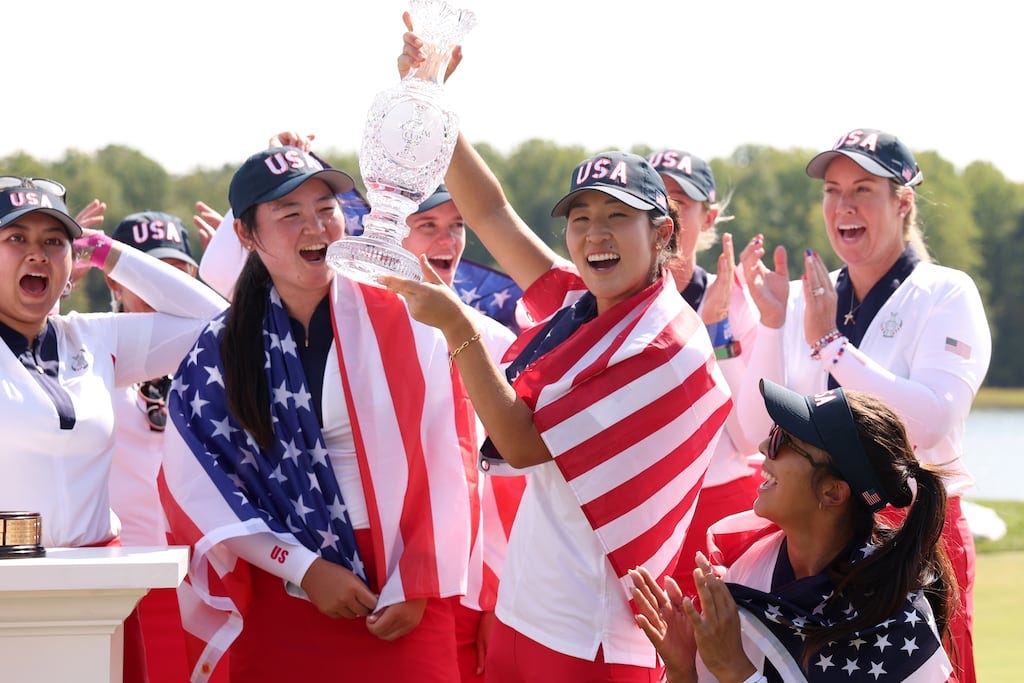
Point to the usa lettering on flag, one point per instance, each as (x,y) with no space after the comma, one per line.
(958,347)
(775,622)
(216,482)
(631,408)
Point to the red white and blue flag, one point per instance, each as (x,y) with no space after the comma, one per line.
(775,619)
(218,484)
(631,406)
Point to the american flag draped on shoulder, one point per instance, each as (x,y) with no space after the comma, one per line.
(218,484)
(631,406)
(905,647)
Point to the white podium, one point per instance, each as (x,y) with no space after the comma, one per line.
(61,615)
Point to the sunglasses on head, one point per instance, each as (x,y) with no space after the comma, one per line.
(44,184)
(777,438)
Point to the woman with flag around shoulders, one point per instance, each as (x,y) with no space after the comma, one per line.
(889,322)
(314,466)
(812,585)
(613,401)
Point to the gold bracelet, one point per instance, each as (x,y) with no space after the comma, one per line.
(460,348)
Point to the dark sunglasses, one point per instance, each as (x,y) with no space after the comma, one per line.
(778,438)
(44,184)
(153,402)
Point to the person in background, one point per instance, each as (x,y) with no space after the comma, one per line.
(723,303)
(825,589)
(305,422)
(141,413)
(60,373)
(888,322)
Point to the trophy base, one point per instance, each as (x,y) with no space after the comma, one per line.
(20,535)
(363,258)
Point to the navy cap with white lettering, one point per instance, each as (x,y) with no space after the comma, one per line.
(877,152)
(627,177)
(440,196)
(824,420)
(159,234)
(28,197)
(274,172)
(692,173)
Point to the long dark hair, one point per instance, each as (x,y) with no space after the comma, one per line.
(906,558)
(245,381)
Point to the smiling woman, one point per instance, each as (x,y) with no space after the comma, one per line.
(305,422)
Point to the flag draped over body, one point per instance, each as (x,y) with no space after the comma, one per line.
(218,484)
(775,618)
(630,404)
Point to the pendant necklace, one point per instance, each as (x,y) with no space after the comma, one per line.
(849,319)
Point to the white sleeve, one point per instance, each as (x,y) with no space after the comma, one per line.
(223,259)
(289,561)
(766,360)
(152,344)
(929,402)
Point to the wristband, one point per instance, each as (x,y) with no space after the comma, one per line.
(96,246)
(728,350)
(720,332)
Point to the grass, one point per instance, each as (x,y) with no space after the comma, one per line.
(999,599)
(999,397)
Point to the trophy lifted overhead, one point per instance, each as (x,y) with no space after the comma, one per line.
(407,145)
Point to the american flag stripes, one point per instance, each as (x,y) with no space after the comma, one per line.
(631,407)
(217,484)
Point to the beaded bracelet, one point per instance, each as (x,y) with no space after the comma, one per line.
(460,348)
(817,346)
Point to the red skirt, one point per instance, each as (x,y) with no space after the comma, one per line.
(287,639)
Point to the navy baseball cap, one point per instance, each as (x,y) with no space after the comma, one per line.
(440,196)
(691,172)
(159,234)
(824,420)
(625,176)
(875,151)
(25,195)
(274,172)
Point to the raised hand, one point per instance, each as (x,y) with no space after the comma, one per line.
(663,622)
(716,298)
(206,220)
(769,289)
(716,627)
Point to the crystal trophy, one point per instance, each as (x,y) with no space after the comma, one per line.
(407,145)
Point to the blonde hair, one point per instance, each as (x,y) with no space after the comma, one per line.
(913,233)
(707,238)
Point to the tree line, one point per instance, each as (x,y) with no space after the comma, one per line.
(973,218)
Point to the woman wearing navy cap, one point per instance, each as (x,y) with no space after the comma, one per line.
(826,590)
(314,464)
(889,322)
(723,303)
(60,371)
(613,402)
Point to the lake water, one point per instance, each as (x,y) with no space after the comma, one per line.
(994,453)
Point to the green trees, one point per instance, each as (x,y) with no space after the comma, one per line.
(973,218)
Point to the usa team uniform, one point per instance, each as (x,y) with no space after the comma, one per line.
(630,406)
(60,429)
(925,353)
